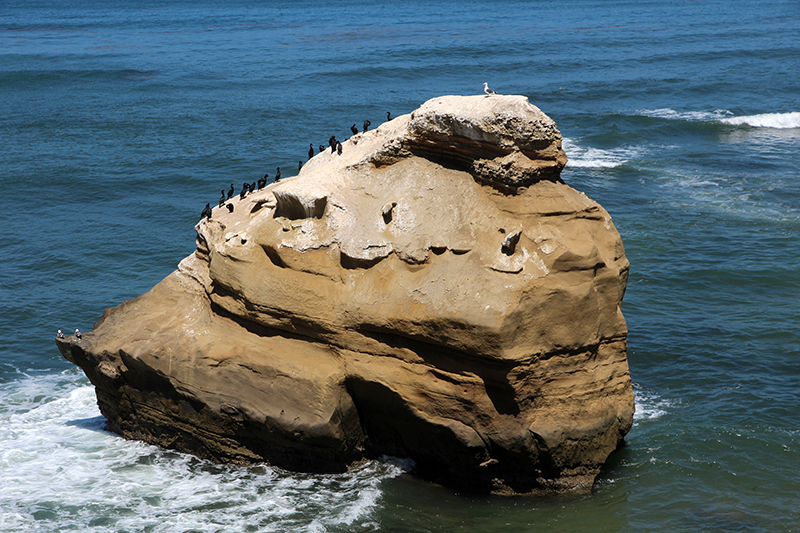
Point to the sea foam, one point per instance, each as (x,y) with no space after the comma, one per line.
(649,405)
(671,114)
(60,470)
(581,157)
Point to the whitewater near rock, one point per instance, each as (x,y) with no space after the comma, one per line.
(435,292)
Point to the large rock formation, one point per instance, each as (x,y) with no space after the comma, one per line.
(434,292)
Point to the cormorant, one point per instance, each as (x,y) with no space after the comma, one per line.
(321,148)
(388,116)
(278,175)
(367,124)
(206,212)
(245,187)
(231,191)
(339,148)
(299,166)
(222,198)
(310,150)
(354,129)
(253,186)
(332,143)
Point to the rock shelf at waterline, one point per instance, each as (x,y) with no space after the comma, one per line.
(435,292)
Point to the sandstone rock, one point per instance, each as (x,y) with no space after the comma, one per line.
(435,292)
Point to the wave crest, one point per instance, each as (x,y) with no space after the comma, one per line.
(765,120)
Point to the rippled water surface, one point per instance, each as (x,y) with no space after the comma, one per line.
(122,119)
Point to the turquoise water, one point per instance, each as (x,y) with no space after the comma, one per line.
(122,119)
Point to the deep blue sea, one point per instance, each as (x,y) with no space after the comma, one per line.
(120,120)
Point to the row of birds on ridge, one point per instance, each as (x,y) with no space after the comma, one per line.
(333,144)
(247,188)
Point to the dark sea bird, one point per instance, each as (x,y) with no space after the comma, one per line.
(262,182)
(231,191)
(245,188)
(230,207)
(278,175)
(339,148)
(222,198)
(206,212)
(354,129)
(367,124)
(388,116)
(332,143)
(487,90)
(321,148)
(253,186)
(78,334)
(60,335)
(299,166)
(310,150)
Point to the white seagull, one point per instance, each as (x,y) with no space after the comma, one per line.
(487,90)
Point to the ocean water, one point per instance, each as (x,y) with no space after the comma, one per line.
(120,120)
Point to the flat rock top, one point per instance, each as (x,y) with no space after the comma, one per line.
(510,121)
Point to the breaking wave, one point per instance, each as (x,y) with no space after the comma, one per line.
(60,470)
(765,120)
(581,157)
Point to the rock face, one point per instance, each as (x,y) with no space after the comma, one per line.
(434,292)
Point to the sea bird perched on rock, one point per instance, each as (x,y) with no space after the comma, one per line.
(332,143)
(321,148)
(388,116)
(263,182)
(310,150)
(78,334)
(206,212)
(278,175)
(487,90)
(367,124)
(339,148)
(245,188)
(60,334)
(231,191)
(354,129)
(230,207)
(222,198)
(299,166)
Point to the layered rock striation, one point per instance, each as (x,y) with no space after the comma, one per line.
(435,292)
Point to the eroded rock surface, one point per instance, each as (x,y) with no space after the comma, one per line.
(434,292)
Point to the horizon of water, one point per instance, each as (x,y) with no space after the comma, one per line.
(122,119)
